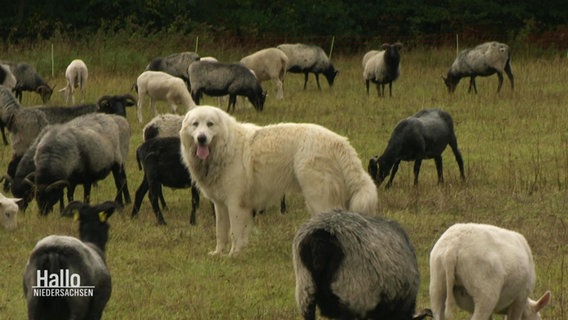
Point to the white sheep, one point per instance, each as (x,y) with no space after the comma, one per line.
(269,64)
(163,125)
(159,85)
(8,212)
(483,269)
(7,78)
(76,75)
(382,67)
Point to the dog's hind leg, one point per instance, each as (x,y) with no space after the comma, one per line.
(241,220)
(222,227)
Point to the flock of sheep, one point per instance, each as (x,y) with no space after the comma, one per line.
(348,265)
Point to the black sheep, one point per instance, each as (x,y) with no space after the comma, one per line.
(161,160)
(424,135)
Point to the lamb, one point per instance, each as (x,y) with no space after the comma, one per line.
(161,160)
(175,64)
(354,267)
(483,269)
(218,79)
(484,60)
(29,80)
(307,59)
(9,212)
(382,67)
(424,135)
(81,151)
(162,86)
(84,257)
(7,78)
(269,64)
(76,75)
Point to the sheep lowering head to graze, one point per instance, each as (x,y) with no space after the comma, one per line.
(382,67)
(218,79)
(83,257)
(161,160)
(269,64)
(424,135)
(160,86)
(303,58)
(76,75)
(29,80)
(9,212)
(354,266)
(483,269)
(175,64)
(81,151)
(484,60)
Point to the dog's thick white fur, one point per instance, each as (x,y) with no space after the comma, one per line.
(243,167)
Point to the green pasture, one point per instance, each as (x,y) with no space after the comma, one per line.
(514,144)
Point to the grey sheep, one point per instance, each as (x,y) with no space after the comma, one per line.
(175,64)
(424,135)
(81,151)
(354,266)
(484,60)
(218,79)
(83,257)
(7,78)
(29,80)
(382,67)
(269,64)
(303,58)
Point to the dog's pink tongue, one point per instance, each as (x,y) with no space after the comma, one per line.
(202,152)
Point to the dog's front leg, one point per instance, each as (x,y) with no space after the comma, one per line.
(222,228)
(241,225)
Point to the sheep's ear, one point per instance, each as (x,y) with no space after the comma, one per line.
(542,302)
(106,209)
(103,217)
(76,216)
(72,210)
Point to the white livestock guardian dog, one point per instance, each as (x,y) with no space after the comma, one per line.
(243,167)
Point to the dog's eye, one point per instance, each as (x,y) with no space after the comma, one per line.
(195,124)
(209,124)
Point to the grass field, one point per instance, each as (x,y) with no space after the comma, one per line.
(514,144)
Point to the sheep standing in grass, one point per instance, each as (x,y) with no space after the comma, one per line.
(483,269)
(175,64)
(424,135)
(484,60)
(7,78)
(76,75)
(307,59)
(84,257)
(354,267)
(382,67)
(29,80)
(161,160)
(160,86)
(269,64)
(219,79)
(8,212)
(81,151)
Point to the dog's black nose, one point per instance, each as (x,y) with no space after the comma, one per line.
(202,139)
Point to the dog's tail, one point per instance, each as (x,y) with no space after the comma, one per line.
(363,191)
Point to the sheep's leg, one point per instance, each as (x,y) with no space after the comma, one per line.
(471,84)
(232,102)
(125,191)
(222,226)
(367,86)
(140,105)
(305,80)
(241,223)
(279,88)
(390,89)
(155,191)
(283,204)
(458,156)
(439,168)
(500,77)
(317,81)
(417,164)
(87,192)
(153,106)
(393,173)
(194,204)
(140,193)
(510,75)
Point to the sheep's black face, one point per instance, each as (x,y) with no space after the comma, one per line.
(451,83)
(385,167)
(373,168)
(330,75)
(47,198)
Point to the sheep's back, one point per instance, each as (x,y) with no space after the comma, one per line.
(305,57)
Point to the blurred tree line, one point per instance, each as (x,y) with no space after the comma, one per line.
(22,20)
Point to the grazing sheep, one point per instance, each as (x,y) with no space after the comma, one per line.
(158,86)
(484,60)
(269,64)
(354,267)
(175,64)
(84,257)
(218,79)
(8,212)
(483,269)
(307,59)
(7,78)
(29,80)
(382,67)
(76,75)
(161,160)
(424,135)
(163,125)
(81,151)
